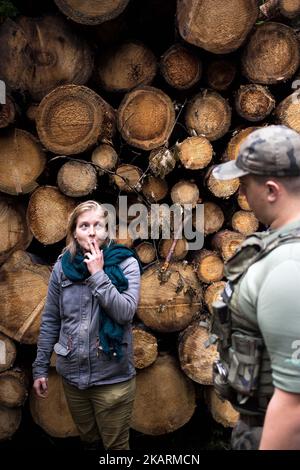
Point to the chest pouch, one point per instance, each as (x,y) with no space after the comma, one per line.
(245,356)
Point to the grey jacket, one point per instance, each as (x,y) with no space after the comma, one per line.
(70,324)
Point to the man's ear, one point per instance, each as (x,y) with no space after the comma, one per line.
(273,190)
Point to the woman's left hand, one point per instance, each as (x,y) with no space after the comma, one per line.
(94,260)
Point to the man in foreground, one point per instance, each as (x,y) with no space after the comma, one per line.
(258,321)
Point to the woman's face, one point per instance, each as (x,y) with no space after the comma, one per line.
(90,226)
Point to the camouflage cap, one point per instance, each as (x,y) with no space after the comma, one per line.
(268,151)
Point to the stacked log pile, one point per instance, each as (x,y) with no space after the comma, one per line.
(136,99)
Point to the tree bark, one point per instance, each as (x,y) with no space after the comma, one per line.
(161,162)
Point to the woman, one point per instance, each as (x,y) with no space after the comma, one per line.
(92,297)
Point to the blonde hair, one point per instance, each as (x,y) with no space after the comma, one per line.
(71,244)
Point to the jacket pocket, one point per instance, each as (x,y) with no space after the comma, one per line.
(61,350)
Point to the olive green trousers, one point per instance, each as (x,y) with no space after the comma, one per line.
(103,412)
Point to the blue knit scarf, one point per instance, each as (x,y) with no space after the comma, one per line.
(110,332)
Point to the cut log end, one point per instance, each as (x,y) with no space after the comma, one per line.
(47,214)
(209,222)
(146,252)
(144,348)
(271,40)
(254,102)
(195,359)
(163,383)
(72,118)
(195,153)
(227,242)
(180,67)
(180,251)
(185,192)
(244,222)
(210,267)
(213,293)
(222,411)
(146,117)
(289,8)
(105,158)
(220,74)
(208,114)
(220,188)
(229,23)
(91,12)
(125,67)
(76,179)
(22,160)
